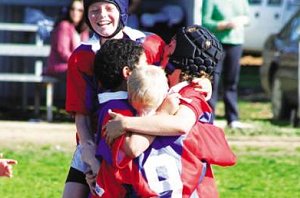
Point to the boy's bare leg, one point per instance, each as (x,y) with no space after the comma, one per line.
(75,190)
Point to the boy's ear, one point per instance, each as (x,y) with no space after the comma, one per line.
(126,72)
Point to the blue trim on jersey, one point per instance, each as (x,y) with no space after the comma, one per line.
(206,117)
(203,173)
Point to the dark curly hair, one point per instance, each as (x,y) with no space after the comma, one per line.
(113,56)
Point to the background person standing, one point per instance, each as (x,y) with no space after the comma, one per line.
(66,35)
(226,19)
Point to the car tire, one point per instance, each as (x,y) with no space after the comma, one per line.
(280,107)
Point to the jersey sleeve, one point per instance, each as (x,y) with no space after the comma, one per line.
(154,47)
(80,81)
(214,147)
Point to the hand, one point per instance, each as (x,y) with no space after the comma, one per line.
(240,21)
(203,85)
(6,169)
(227,25)
(114,127)
(91,181)
(170,105)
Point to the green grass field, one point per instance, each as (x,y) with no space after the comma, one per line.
(266,174)
(40,172)
(261,172)
(267,171)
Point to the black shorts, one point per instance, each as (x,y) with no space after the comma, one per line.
(76,176)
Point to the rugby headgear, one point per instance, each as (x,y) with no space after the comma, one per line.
(196,50)
(122,6)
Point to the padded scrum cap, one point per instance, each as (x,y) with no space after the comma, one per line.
(196,50)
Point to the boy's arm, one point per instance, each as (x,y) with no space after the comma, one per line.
(157,125)
(86,138)
(135,144)
(83,126)
(163,124)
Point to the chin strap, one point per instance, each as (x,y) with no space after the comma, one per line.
(119,28)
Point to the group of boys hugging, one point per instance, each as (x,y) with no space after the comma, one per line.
(143,122)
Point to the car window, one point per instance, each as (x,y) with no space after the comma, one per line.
(291,4)
(295,29)
(291,32)
(254,2)
(274,2)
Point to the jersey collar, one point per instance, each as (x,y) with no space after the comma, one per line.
(107,96)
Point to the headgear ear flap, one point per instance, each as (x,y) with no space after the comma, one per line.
(196,50)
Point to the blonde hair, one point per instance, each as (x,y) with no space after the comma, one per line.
(148,86)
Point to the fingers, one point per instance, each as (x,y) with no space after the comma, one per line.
(197,82)
(8,161)
(202,91)
(174,94)
(11,161)
(112,114)
(91,180)
(6,170)
(203,86)
(9,171)
(6,167)
(108,140)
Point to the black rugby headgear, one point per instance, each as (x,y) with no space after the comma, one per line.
(196,50)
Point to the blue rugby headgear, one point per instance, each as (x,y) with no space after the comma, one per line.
(122,6)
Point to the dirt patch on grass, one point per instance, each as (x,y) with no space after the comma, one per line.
(14,133)
(267,146)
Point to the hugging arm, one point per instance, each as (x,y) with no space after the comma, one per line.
(135,144)
(157,125)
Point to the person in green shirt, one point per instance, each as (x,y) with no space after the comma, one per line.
(227,19)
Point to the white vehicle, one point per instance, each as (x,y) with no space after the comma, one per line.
(267,17)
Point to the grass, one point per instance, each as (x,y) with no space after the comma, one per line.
(255,108)
(265,175)
(40,173)
(258,114)
(268,172)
